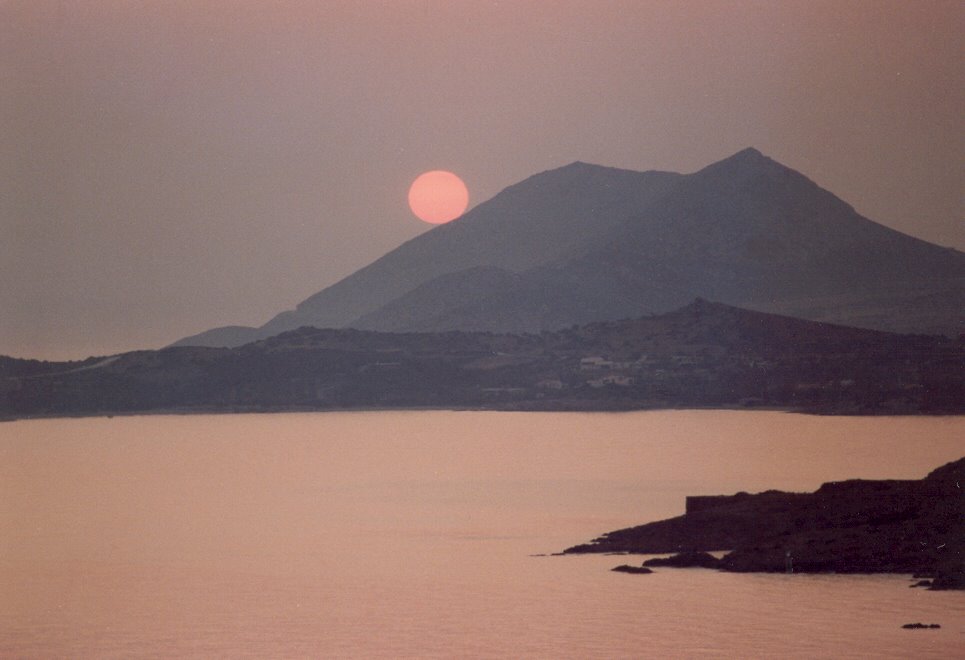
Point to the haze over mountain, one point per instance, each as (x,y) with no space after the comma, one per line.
(586,243)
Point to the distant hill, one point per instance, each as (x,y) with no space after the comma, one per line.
(586,243)
(703,355)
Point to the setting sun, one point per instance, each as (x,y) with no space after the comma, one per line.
(438,197)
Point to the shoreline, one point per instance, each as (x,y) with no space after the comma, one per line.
(855,526)
(508,409)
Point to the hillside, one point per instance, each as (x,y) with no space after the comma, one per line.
(705,354)
(586,243)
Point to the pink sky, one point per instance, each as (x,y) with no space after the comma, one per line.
(172,166)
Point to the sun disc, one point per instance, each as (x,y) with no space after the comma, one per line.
(438,197)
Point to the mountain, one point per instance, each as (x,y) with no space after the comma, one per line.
(586,243)
(703,355)
(855,526)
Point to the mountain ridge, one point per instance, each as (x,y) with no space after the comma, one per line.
(604,242)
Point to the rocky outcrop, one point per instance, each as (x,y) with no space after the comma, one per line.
(950,570)
(626,568)
(686,560)
(857,526)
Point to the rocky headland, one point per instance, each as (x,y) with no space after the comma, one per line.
(855,526)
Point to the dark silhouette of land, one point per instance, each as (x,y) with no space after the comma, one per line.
(703,355)
(858,526)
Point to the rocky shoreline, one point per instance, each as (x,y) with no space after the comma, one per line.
(856,526)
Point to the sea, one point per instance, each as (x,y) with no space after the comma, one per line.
(431,534)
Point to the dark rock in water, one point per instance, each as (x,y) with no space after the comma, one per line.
(856,526)
(626,568)
(950,571)
(947,583)
(921,583)
(686,560)
(920,626)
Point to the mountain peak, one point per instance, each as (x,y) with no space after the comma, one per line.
(587,242)
(582,167)
(745,159)
(749,153)
(751,165)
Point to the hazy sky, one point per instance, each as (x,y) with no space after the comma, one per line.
(170,166)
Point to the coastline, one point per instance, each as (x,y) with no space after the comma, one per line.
(857,526)
(523,409)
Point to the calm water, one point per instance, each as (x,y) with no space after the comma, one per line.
(411,535)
